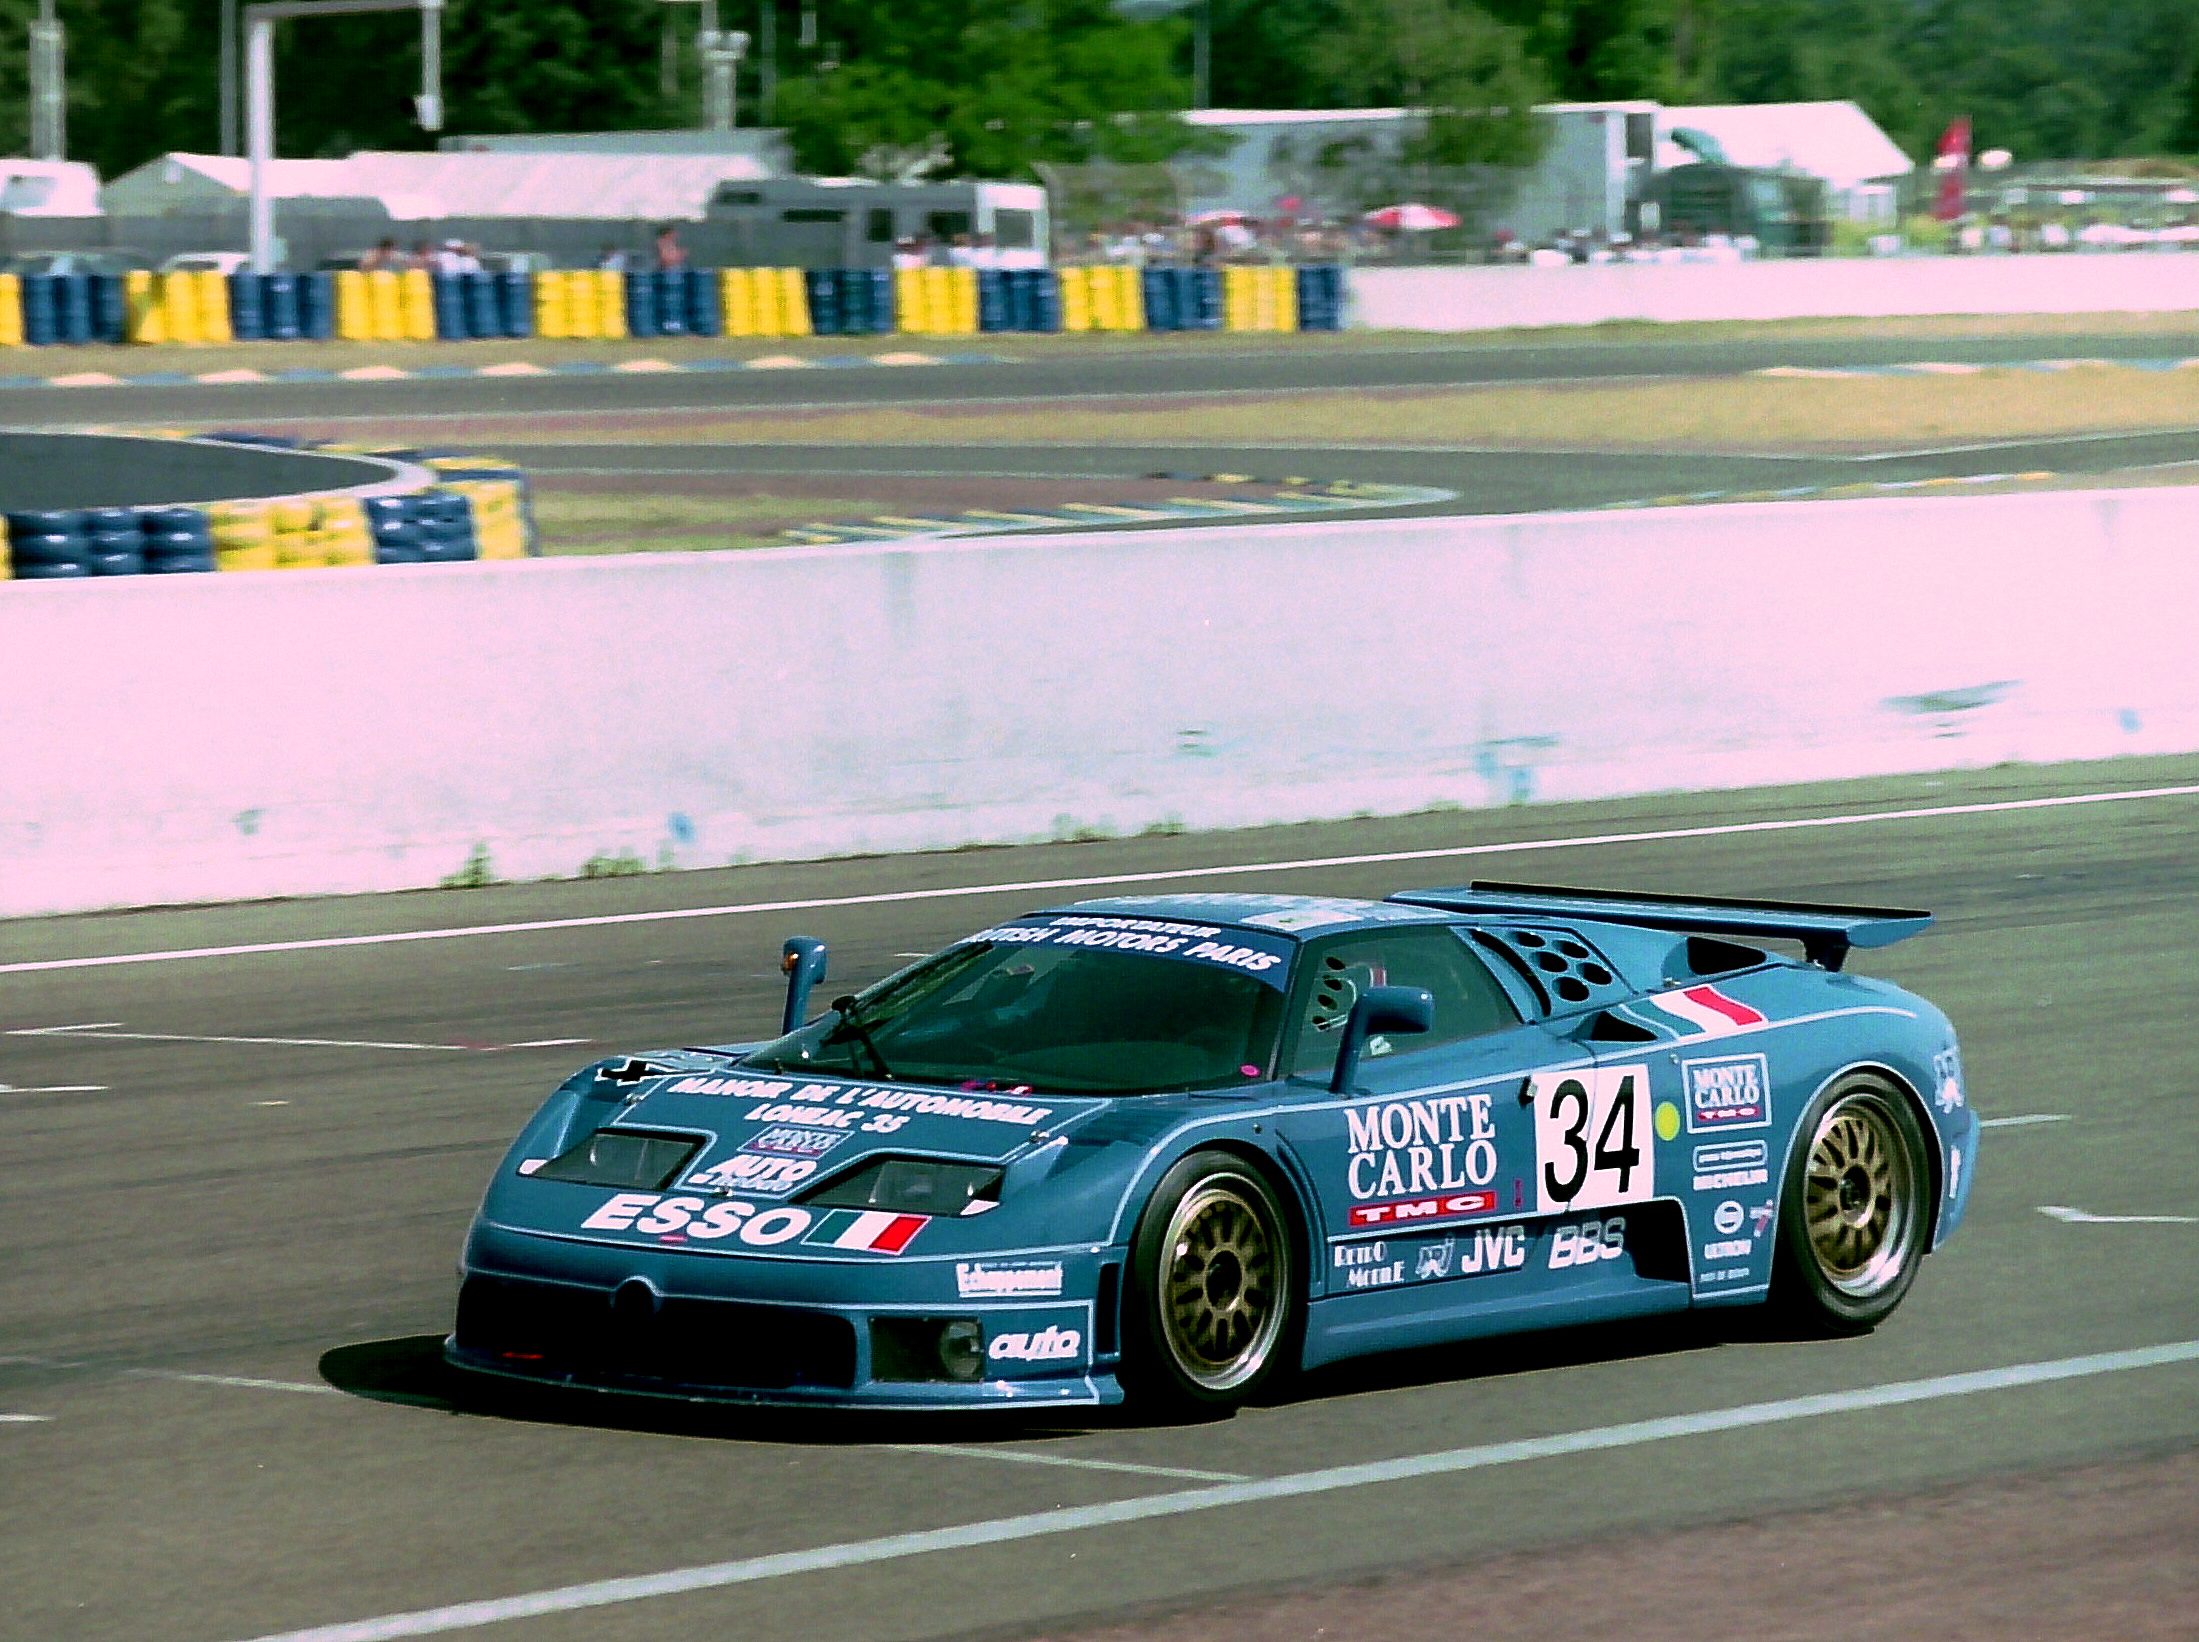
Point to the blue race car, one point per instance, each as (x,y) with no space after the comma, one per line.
(1165,1147)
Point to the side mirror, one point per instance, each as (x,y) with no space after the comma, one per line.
(1379,1009)
(803,959)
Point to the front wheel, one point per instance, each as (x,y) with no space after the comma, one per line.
(1854,1215)
(1212,1299)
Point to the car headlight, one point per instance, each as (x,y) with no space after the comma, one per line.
(914,1185)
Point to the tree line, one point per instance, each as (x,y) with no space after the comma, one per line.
(998,87)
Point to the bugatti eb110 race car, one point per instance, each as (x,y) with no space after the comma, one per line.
(1166,1146)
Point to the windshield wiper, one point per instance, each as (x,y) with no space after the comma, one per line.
(851,1025)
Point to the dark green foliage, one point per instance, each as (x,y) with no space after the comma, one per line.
(996,87)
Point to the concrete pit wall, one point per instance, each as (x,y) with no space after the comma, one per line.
(196,738)
(1494,298)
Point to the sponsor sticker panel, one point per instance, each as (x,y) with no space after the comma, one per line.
(1730,1166)
(1038,1342)
(1727,1092)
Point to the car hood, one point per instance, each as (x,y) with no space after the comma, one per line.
(837,1121)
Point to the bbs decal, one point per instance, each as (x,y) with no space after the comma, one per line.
(1592,1138)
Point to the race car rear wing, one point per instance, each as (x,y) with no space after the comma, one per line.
(1826,932)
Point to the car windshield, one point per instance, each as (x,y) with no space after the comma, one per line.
(1064,1004)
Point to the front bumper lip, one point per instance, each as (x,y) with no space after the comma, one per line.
(733,1311)
(1092,1389)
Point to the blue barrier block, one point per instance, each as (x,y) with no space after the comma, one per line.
(515,303)
(882,310)
(1203,310)
(112,521)
(44,521)
(247,307)
(278,305)
(316,306)
(40,552)
(825,315)
(992,300)
(178,522)
(1321,297)
(1046,300)
(450,307)
(38,309)
(484,306)
(705,314)
(73,309)
(1160,299)
(180,563)
(71,571)
(110,308)
(671,301)
(641,304)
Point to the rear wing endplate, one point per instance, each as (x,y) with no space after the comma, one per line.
(1826,932)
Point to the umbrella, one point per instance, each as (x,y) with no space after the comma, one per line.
(1206,219)
(1413,218)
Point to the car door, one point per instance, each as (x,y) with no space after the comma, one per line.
(1426,1169)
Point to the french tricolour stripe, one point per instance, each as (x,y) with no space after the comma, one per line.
(870,1229)
(1709,1011)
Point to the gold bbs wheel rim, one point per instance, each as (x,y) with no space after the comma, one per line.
(1860,1195)
(1222,1283)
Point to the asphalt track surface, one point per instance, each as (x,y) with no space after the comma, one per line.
(1485,480)
(237,1183)
(1303,364)
(64,470)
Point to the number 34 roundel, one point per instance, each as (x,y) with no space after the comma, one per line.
(1592,1138)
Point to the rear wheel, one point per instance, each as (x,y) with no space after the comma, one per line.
(1853,1219)
(1212,1306)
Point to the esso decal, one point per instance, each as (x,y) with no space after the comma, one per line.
(1587,1243)
(701,1221)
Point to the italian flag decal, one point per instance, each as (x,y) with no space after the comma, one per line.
(1704,1011)
(870,1229)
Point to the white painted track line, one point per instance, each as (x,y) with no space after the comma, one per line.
(1183,1502)
(74,1032)
(1019,1456)
(2023,1122)
(1460,852)
(22,1419)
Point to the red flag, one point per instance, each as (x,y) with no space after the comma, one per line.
(1953,166)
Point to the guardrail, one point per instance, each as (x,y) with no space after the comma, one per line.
(216,736)
(42,310)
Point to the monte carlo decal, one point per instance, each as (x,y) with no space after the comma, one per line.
(1166,1148)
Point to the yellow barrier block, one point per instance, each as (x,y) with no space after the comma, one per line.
(213,306)
(1286,299)
(1131,301)
(143,318)
(765,294)
(939,300)
(610,301)
(1076,299)
(736,302)
(793,302)
(262,557)
(581,319)
(965,300)
(909,308)
(179,301)
(354,308)
(11,311)
(386,305)
(1106,298)
(416,301)
(549,306)
(1237,298)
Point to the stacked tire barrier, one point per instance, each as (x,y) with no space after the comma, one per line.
(182,308)
(475,508)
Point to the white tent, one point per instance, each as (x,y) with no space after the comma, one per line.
(439,186)
(1836,142)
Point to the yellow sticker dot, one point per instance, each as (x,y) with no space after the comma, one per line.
(1668,1120)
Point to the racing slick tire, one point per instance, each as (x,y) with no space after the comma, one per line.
(1855,1211)
(1212,1296)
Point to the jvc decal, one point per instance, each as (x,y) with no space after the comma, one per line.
(1592,1138)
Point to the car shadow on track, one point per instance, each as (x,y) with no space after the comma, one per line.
(410,1370)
